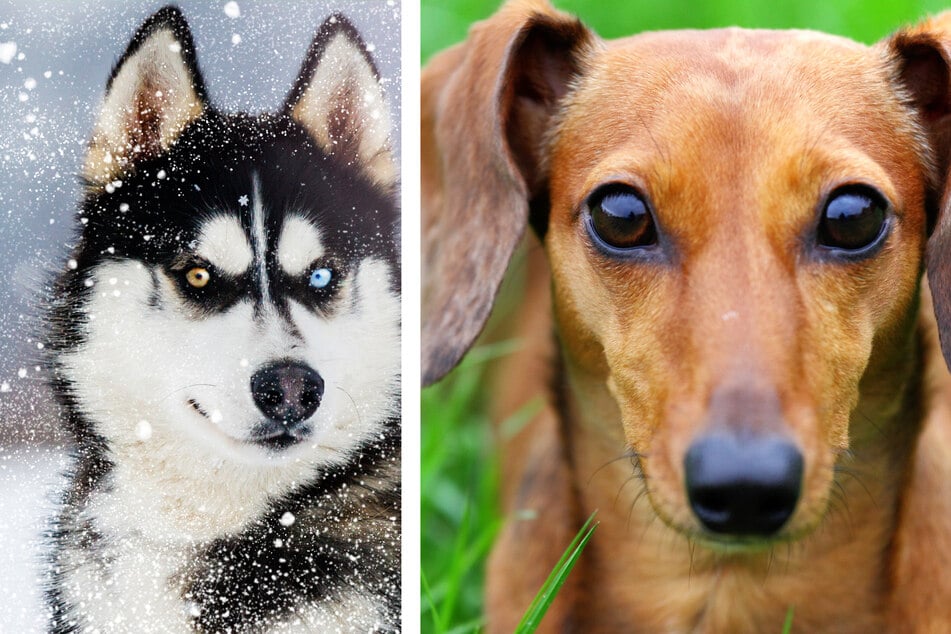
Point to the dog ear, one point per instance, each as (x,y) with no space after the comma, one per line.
(154,91)
(338,98)
(487,105)
(924,64)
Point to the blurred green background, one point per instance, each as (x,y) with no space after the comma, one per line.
(445,22)
(459,515)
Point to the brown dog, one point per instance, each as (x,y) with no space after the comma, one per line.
(735,224)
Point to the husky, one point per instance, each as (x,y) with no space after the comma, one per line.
(225,344)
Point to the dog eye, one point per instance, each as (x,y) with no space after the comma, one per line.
(198,276)
(852,219)
(621,218)
(321,277)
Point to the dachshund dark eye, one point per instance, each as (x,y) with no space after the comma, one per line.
(853,219)
(621,218)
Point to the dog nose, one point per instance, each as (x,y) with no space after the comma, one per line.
(287,391)
(743,485)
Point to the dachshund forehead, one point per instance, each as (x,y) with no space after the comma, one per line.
(669,93)
(802,69)
(735,50)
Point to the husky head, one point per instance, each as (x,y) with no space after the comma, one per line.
(235,286)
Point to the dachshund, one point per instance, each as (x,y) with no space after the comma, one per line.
(732,234)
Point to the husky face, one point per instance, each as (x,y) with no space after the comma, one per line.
(235,291)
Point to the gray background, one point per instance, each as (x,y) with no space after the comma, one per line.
(43,131)
(42,141)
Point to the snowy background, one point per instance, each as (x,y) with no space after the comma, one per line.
(55,58)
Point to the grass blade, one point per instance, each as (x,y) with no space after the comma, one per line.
(437,622)
(549,590)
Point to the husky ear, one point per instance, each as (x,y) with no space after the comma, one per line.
(339,100)
(923,57)
(154,91)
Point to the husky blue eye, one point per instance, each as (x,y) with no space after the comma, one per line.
(320,278)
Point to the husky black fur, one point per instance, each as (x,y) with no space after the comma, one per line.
(224,341)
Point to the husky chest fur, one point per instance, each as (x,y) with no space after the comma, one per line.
(225,344)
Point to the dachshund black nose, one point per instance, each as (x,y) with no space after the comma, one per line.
(287,391)
(743,485)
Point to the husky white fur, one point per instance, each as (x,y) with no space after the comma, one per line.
(225,342)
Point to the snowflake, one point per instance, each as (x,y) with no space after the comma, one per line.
(232,10)
(243,201)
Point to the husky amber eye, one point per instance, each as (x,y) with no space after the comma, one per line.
(198,277)
(852,219)
(620,218)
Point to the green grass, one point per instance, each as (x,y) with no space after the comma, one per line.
(459,516)
(459,477)
(787,624)
(559,574)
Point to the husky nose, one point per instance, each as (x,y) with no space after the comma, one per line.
(287,391)
(743,485)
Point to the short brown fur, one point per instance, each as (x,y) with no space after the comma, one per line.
(736,138)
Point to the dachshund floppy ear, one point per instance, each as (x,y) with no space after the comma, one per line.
(486,106)
(923,56)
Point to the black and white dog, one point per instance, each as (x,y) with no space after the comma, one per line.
(225,341)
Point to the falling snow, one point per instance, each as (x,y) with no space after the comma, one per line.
(7,51)
(143,430)
(232,10)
